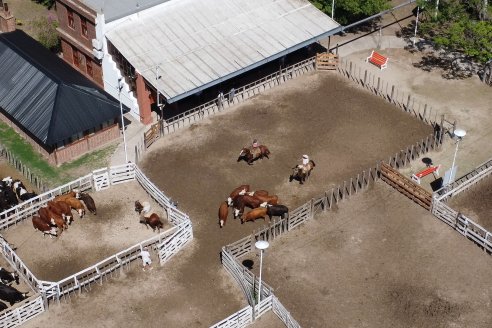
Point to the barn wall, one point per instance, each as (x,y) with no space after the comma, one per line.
(85,145)
(73,150)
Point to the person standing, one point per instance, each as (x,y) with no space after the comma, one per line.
(147,262)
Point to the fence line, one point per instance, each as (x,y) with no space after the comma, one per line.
(26,172)
(232,252)
(405,101)
(166,244)
(465,182)
(214,106)
(22,312)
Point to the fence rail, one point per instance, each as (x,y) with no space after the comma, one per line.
(14,260)
(26,172)
(236,96)
(465,182)
(403,100)
(22,312)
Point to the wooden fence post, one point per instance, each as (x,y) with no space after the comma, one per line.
(392,92)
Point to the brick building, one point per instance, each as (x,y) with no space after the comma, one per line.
(171,50)
(58,111)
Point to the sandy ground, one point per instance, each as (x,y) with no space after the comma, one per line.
(318,114)
(88,240)
(475,203)
(379,260)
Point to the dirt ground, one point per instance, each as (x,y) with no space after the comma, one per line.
(343,129)
(379,260)
(475,203)
(88,240)
(7,170)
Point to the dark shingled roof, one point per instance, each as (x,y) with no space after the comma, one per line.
(45,96)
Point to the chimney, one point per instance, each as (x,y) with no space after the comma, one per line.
(7,20)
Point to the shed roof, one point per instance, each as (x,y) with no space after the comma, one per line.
(44,95)
(197,43)
(116,9)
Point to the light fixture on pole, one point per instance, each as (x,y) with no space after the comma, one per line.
(460,133)
(120,86)
(261,245)
(157,77)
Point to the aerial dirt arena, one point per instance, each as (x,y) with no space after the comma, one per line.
(87,240)
(342,128)
(379,260)
(475,203)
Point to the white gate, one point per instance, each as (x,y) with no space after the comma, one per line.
(101,179)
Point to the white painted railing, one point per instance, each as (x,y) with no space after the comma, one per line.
(22,312)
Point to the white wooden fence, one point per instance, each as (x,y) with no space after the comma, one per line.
(165,244)
(458,221)
(22,312)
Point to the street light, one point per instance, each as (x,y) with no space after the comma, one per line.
(261,245)
(332,9)
(120,86)
(157,77)
(460,133)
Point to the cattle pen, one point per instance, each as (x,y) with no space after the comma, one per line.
(165,244)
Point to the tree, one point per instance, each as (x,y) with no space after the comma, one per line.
(47,3)
(349,11)
(459,27)
(45,30)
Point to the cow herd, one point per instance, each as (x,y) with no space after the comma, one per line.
(9,294)
(12,192)
(56,215)
(260,202)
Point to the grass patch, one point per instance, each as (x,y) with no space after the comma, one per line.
(52,175)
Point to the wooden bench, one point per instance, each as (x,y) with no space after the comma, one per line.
(378,60)
(430,170)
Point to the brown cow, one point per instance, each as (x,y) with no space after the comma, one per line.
(71,194)
(223,213)
(241,190)
(272,200)
(254,214)
(44,227)
(154,221)
(49,217)
(258,193)
(76,205)
(249,201)
(88,201)
(61,208)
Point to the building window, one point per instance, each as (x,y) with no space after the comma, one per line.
(76,58)
(88,65)
(83,23)
(71,22)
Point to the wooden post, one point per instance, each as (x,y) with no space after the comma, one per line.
(392,92)
(365,77)
(379,81)
(408,103)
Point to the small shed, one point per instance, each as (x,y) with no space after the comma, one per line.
(59,111)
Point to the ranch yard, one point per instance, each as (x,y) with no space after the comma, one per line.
(344,130)
(379,260)
(88,240)
(476,203)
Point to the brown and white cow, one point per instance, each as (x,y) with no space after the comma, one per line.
(76,205)
(44,227)
(272,199)
(52,218)
(241,190)
(243,201)
(61,208)
(223,213)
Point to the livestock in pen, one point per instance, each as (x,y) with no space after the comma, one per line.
(250,154)
(302,172)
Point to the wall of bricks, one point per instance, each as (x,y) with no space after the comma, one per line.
(86,145)
(72,151)
(144,99)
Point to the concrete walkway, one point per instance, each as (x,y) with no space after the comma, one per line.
(134,131)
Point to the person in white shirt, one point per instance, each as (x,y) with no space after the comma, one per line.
(147,262)
(305,161)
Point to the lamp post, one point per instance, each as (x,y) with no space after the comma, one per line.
(261,245)
(120,86)
(460,133)
(332,9)
(157,77)
(416,25)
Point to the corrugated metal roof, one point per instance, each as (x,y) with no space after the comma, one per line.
(116,9)
(44,95)
(199,43)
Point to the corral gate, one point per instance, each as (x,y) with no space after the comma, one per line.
(406,186)
(101,179)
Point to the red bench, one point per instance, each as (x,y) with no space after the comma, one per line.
(430,170)
(378,60)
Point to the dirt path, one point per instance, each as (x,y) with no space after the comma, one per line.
(380,260)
